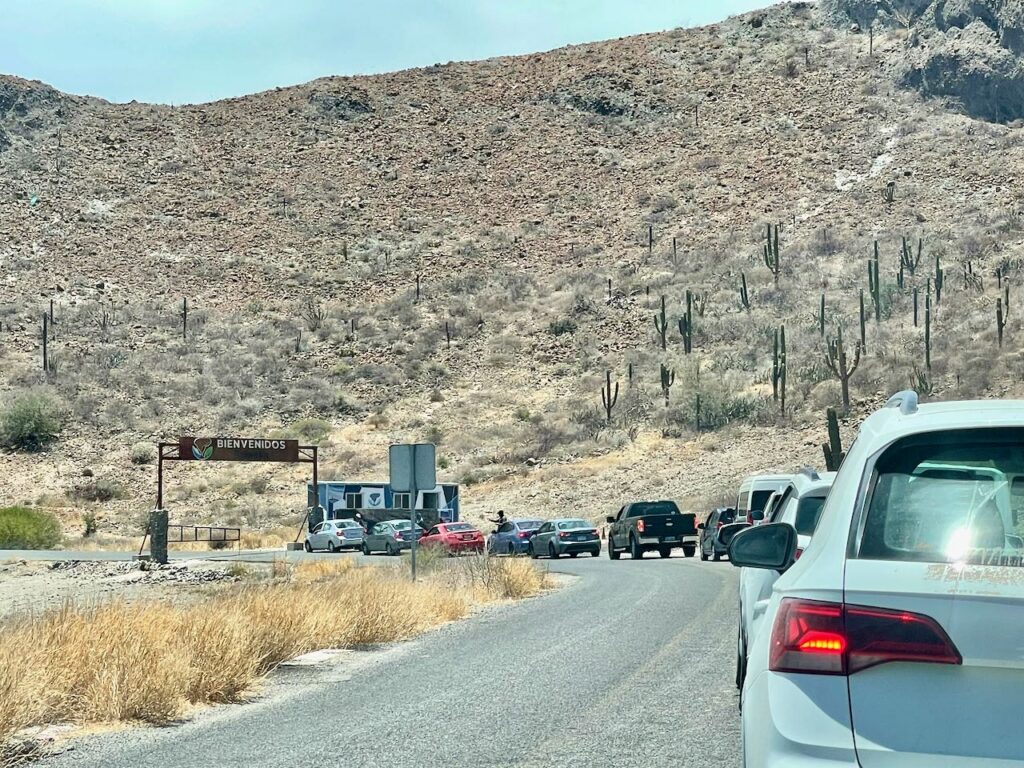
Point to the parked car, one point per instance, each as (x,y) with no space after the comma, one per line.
(454,537)
(895,639)
(513,537)
(710,543)
(647,525)
(335,535)
(753,496)
(391,536)
(799,504)
(567,536)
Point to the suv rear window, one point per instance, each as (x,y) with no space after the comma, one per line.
(727,516)
(808,511)
(759,498)
(642,508)
(945,497)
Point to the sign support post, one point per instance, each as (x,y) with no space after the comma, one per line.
(412,467)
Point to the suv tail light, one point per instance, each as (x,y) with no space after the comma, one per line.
(821,638)
(640,526)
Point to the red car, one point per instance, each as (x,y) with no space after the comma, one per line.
(454,537)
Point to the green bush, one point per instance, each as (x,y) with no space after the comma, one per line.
(311,430)
(30,421)
(23,528)
(101,490)
(143,453)
(91,525)
(559,327)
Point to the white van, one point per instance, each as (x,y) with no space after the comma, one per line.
(755,491)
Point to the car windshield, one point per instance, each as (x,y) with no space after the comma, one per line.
(570,525)
(808,511)
(945,497)
(456,527)
(644,508)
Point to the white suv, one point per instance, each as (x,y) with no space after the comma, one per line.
(897,639)
(799,504)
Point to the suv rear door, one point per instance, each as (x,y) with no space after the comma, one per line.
(938,546)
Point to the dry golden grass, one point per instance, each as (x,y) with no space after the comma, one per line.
(149,661)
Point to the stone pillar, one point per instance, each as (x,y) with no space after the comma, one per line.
(158,535)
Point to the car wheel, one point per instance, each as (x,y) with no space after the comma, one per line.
(716,557)
(741,660)
(573,554)
(596,553)
(330,547)
(366,549)
(665,551)
(613,553)
(307,546)
(635,551)
(391,550)
(531,551)
(552,552)
(703,554)
(511,549)
(689,551)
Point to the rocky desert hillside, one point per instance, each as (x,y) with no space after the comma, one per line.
(460,253)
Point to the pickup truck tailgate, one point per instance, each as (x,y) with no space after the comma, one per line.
(662,526)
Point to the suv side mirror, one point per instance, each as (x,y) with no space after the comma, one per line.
(700,526)
(610,518)
(771,546)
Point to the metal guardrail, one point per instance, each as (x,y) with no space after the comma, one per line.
(203,533)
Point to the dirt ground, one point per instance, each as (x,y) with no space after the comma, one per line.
(37,586)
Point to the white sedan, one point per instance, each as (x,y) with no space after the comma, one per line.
(335,535)
(897,639)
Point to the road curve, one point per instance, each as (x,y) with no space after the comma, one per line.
(629,664)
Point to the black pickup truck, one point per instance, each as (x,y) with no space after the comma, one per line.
(647,525)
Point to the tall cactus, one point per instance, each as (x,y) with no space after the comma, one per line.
(940,280)
(907,259)
(915,306)
(833,449)
(874,285)
(928,331)
(1001,313)
(668,378)
(661,325)
(609,398)
(863,324)
(744,296)
(771,252)
(779,368)
(821,316)
(686,325)
(837,361)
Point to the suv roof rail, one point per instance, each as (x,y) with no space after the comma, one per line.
(810,472)
(906,401)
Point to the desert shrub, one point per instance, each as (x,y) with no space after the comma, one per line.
(30,421)
(563,326)
(311,430)
(91,526)
(99,490)
(142,453)
(24,528)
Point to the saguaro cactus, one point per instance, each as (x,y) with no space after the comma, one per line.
(744,296)
(46,336)
(661,325)
(686,325)
(608,397)
(821,316)
(890,192)
(928,331)
(907,259)
(837,361)
(771,252)
(875,285)
(1001,313)
(833,449)
(184,319)
(940,280)
(668,378)
(915,307)
(863,324)
(779,368)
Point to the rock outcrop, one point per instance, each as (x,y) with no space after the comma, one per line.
(969,50)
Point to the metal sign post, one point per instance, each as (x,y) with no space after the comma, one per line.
(412,467)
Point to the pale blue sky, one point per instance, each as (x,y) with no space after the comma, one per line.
(178,51)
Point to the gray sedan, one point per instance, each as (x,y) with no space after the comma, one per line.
(565,536)
(391,536)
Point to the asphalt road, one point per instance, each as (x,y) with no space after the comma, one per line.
(630,664)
